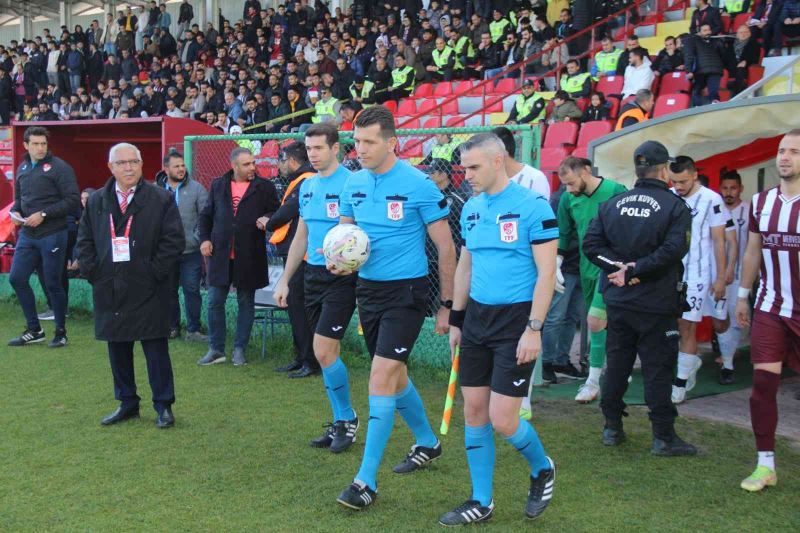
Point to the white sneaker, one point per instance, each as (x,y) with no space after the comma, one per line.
(587,393)
(678,394)
(691,381)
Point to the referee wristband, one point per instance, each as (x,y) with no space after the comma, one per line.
(457,318)
(743,292)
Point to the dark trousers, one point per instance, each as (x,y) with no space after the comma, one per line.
(187,275)
(302,335)
(655,339)
(72,237)
(701,81)
(49,252)
(159,372)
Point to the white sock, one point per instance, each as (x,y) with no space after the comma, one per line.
(767,459)
(728,342)
(594,376)
(685,364)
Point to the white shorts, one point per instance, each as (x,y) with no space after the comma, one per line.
(696,296)
(717,308)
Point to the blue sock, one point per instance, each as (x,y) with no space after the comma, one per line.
(379,428)
(337,385)
(479,442)
(527,442)
(413,412)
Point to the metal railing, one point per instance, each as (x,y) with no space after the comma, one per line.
(751,91)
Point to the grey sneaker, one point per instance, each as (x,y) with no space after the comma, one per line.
(47,315)
(196,336)
(211,357)
(238,357)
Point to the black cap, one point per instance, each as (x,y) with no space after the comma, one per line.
(440,165)
(528,83)
(358,79)
(650,154)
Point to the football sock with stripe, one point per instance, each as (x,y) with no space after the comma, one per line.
(597,351)
(409,404)
(479,443)
(337,385)
(379,429)
(527,442)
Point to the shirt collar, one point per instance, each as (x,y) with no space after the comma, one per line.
(119,191)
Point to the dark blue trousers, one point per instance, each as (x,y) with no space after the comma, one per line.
(159,372)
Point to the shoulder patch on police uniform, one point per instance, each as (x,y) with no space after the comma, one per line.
(549,223)
(717,210)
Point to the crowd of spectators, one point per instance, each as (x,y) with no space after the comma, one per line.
(276,70)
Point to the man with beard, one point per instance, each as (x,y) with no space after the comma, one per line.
(190,197)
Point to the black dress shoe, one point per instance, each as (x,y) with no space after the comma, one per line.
(291,367)
(305,372)
(120,415)
(613,436)
(674,448)
(165,419)
(174,333)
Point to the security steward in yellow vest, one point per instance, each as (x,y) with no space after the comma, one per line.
(326,108)
(529,106)
(576,83)
(443,62)
(362,90)
(446,148)
(293,164)
(462,45)
(606,60)
(734,7)
(403,78)
(636,111)
(499,26)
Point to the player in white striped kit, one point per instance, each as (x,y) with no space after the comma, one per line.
(709,221)
(729,336)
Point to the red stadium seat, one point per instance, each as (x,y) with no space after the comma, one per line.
(427,107)
(407,108)
(462,87)
(391,105)
(561,134)
(740,20)
(610,85)
(726,23)
(477,91)
(581,151)
(675,82)
(412,149)
(443,88)
(504,86)
(450,108)
(269,149)
(433,122)
(592,130)
(754,74)
(582,103)
(426,89)
(454,122)
(551,158)
(627,100)
(670,103)
(494,107)
(412,124)
(614,105)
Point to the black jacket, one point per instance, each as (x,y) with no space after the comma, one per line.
(710,16)
(666,63)
(705,56)
(289,212)
(218,225)
(131,299)
(50,186)
(648,225)
(185,13)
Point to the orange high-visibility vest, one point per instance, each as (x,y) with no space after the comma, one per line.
(280,234)
(636,113)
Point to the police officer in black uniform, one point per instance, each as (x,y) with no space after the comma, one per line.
(639,238)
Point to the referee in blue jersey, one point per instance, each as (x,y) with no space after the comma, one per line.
(329,299)
(497,321)
(395,204)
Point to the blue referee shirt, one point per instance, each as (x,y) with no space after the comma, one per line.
(319,207)
(498,231)
(394,210)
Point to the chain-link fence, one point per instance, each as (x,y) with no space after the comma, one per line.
(434,151)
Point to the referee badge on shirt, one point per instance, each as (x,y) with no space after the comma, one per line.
(394,207)
(509,229)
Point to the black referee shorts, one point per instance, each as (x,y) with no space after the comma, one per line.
(391,314)
(489,341)
(330,301)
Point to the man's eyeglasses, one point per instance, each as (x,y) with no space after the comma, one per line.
(129,162)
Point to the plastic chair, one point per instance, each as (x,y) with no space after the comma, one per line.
(424,90)
(610,85)
(670,103)
(443,88)
(591,131)
(561,134)
(675,82)
(407,108)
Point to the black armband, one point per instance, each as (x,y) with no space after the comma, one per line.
(457,318)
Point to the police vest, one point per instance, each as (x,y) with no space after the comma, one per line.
(734,6)
(636,113)
(444,151)
(323,108)
(607,61)
(365,90)
(441,58)
(463,48)
(247,143)
(574,84)
(497,28)
(280,234)
(524,106)
(399,77)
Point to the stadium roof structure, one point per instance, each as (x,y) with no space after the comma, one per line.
(735,134)
(12,10)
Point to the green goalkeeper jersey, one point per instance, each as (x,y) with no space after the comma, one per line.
(574,215)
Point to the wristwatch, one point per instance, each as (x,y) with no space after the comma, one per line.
(44,215)
(535,325)
(447,304)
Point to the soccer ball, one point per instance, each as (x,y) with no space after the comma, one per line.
(346,247)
